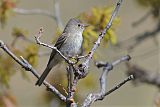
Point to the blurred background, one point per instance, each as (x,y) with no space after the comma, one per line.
(135,31)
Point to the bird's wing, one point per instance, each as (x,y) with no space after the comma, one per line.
(61,40)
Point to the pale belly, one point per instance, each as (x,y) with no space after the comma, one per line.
(72,46)
(68,49)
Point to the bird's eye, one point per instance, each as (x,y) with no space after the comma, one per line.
(79,25)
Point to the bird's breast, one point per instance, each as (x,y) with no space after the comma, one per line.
(72,45)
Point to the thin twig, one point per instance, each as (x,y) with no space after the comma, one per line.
(24,63)
(34,12)
(14,41)
(142,19)
(130,77)
(134,41)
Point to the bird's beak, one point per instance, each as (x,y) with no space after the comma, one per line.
(86,25)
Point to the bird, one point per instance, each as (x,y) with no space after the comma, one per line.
(69,44)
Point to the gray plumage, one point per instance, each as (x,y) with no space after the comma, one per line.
(69,43)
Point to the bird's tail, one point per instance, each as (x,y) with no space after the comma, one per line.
(43,76)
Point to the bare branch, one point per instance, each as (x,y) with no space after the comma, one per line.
(69,77)
(134,41)
(92,97)
(85,65)
(106,68)
(71,87)
(143,76)
(24,63)
(34,12)
(142,19)
(37,38)
(57,15)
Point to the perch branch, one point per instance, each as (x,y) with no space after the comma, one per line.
(71,87)
(29,67)
(37,38)
(69,79)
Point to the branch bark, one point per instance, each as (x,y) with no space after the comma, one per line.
(29,67)
(85,65)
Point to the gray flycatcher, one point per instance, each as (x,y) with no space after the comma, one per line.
(69,44)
